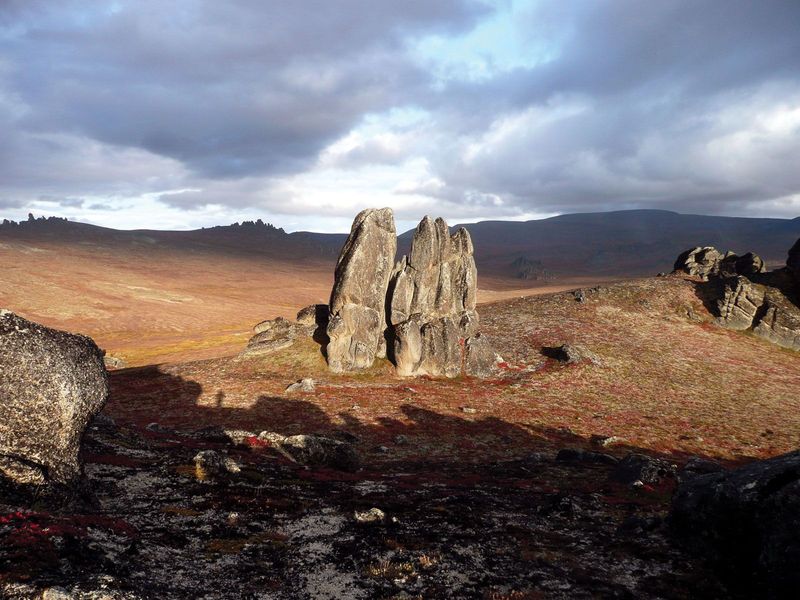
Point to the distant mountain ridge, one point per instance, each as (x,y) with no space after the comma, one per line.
(620,243)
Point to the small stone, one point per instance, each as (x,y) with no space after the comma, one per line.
(304,385)
(371,516)
(469,410)
(400,440)
(209,464)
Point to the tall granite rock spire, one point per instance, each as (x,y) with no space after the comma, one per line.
(432,296)
(358,300)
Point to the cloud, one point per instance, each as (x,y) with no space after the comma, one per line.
(470,109)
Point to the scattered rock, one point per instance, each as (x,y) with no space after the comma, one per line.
(314,315)
(370,517)
(276,439)
(642,468)
(357,307)
(607,441)
(210,464)
(571,354)
(579,455)
(700,262)
(113,362)
(401,440)
(51,383)
(273,335)
(318,451)
(747,522)
(579,295)
(468,410)
(698,466)
(304,385)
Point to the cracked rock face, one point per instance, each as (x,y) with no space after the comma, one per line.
(51,384)
(432,314)
(747,521)
(699,262)
(357,306)
(793,262)
(707,261)
(764,309)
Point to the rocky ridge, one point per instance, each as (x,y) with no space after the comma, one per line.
(745,296)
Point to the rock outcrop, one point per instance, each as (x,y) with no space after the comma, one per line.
(358,300)
(433,323)
(706,262)
(746,297)
(51,385)
(273,335)
(747,522)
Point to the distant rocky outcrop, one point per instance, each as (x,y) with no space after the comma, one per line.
(358,300)
(529,269)
(432,298)
(746,522)
(707,261)
(51,384)
(746,297)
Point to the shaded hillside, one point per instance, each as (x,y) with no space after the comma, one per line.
(621,244)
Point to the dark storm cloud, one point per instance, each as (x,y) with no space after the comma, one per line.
(227,88)
(669,94)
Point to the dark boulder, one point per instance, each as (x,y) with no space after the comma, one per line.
(52,383)
(640,467)
(747,522)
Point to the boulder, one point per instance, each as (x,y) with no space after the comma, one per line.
(749,264)
(273,335)
(747,522)
(52,383)
(572,354)
(314,315)
(319,451)
(432,300)
(358,300)
(306,384)
(640,467)
(700,262)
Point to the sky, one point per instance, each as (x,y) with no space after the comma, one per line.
(190,113)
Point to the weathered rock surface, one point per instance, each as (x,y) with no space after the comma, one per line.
(273,335)
(747,522)
(748,298)
(572,354)
(314,315)
(700,261)
(51,385)
(358,300)
(707,261)
(432,299)
(319,451)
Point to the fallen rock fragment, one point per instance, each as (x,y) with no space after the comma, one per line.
(642,468)
(319,451)
(51,384)
(304,385)
(571,354)
(210,464)
(370,517)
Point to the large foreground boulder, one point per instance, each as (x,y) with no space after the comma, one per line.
(706,262)
(746,522)
(51,384)
(358,300)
